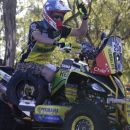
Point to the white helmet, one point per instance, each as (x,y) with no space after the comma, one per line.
(52,6)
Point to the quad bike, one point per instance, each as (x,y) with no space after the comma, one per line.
(85,94)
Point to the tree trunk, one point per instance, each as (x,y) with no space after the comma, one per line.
(9,9)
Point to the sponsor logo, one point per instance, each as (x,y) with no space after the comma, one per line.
(100,70)
(66,66)
(6,77)
(53,110)
(63,74)
(33,26)
(50,21)
(111,58)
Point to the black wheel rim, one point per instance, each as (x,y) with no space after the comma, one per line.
(26,90)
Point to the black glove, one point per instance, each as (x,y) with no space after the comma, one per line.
(82,9)
(59,44)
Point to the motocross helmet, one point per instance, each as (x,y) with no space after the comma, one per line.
(55,6)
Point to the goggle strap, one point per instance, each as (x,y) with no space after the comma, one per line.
(49,20)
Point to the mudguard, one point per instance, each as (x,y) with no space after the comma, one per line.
(79,76)
(4,79)
(57,84)
(4,76)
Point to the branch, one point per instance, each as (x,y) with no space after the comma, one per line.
(116,23)
(89,8)
(89,12)
(109,7)
(69,4)
(1,29)
(89,37)
(127,35)
(71,18)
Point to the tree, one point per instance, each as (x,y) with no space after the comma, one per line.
(9,10)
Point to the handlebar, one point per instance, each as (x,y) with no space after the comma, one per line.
(87,50)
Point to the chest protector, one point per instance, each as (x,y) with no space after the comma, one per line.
(35,49)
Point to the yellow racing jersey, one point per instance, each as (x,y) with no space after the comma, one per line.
(41,52)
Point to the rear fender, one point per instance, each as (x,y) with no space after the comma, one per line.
(4,76)
(4,79)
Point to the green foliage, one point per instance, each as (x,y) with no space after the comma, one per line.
(113,17)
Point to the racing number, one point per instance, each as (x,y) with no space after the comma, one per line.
(117,47)
(63,74)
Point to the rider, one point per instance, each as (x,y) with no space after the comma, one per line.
(45,34)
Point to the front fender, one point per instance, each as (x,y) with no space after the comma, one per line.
(57,84)
(77,77)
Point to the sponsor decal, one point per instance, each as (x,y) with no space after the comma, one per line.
(66,66)
(53,110)
(48,118)
(7,77)
(111,58)
(33,26)
(63,74)
(117,47)
(104,71)
(49,20)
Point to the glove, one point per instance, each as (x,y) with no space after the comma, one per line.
(67,48)
(59,44)
(82,9)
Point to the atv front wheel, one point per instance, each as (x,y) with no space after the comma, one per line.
(86,116)
(22,85)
